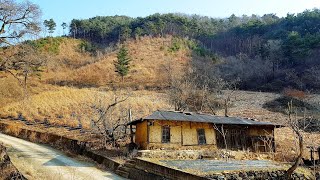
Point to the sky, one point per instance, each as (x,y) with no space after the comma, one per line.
(66,10)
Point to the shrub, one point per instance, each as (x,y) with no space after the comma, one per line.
(48,44)
(13,129)
(86,46)
(294,93)
(176,45)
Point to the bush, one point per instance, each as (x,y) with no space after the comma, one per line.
(48,44)
(176,45)
(281,105)
(294,93)
(86,46)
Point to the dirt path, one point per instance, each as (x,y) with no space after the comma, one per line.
(42,162)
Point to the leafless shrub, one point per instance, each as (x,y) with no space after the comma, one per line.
(192,92)
(110,125)
(268,140)
(223,133)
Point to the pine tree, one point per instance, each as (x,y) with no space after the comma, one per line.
(122,64)
(50,25)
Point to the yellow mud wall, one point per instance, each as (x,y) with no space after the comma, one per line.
(155,131)
(183,134)
(141,134)
(190,136)
(210,136)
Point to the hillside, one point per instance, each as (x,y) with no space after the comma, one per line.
(266,52)
(73,80)
(150,61)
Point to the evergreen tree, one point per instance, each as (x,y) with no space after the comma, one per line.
(50,25)
(64,26)
(122,64)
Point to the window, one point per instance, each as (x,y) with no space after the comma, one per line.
(201,137)
(165,134)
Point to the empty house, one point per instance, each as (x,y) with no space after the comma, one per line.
(187,130)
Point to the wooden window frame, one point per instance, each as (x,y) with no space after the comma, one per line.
(201,133)
(165,134)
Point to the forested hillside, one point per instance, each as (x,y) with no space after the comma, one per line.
(265,53)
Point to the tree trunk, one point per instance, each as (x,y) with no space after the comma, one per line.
(226,107)
(298,159)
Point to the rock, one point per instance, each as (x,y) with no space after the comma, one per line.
(273,174)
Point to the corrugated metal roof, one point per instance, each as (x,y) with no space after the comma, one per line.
(206,118)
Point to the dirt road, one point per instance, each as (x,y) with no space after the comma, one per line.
(42,162)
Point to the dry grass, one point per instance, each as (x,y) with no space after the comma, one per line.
(287,144)
(150,59)
(61,106)
(33,137)
(11,91)
(13,128)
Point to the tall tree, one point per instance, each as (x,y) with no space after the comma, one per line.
(50,25)
(18,19)
(122,64)
(64,26)
(138,32)
(125,33)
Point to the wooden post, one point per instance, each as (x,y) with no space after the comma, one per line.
(131,132)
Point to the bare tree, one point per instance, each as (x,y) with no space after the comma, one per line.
(229,87)
(22,62)
(112,127)
(18,19)
(268,140)
(191,91)
(293,123)
(223,133)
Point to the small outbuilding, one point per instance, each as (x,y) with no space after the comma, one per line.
(188,130)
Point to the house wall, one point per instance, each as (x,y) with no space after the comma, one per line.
(190,136)
(141,135)
(183,135)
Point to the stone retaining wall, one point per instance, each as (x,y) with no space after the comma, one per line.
(164,171)
(263,175)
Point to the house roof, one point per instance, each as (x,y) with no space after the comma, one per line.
(197,117)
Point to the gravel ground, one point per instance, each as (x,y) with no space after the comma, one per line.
(218,165)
